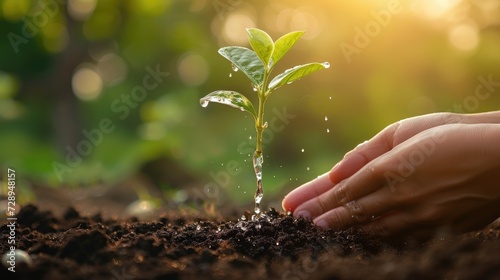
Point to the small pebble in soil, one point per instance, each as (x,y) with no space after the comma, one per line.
(17,258)
(141,209)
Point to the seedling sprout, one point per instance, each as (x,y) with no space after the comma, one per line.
(257,65)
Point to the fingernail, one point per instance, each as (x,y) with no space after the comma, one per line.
(304,214)
(322,224)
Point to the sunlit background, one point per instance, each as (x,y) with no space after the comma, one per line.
(65,67)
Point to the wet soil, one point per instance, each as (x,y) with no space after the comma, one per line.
(277,247)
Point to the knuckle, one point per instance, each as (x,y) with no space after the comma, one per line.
(356,211)
(451,118)
(325,203)
(336,219)
(340,194)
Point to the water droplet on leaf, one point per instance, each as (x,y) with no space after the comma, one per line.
(234,67)
(326,64)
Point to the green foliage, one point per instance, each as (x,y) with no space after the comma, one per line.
(257,66)
(230,98)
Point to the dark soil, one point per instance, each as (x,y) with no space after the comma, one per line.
(279,247)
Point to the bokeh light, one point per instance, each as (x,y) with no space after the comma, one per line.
(112,69)
(87,84)
(235,25)
(193,69)
(81,9)
(464,36)
(55,37)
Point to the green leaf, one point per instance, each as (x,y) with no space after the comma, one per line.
(230,98)
(283,45)
(245,60)
(296,73)
(262,44)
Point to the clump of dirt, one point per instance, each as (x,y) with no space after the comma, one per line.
(276,246)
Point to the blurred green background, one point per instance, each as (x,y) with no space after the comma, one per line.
(68,66)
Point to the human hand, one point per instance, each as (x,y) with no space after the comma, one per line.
(420,172)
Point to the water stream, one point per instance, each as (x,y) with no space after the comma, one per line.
(258,160)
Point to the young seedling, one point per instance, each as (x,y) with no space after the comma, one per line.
(257,65)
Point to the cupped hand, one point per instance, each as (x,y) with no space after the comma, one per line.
(418,174)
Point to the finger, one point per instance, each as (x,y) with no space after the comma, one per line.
(366,181)
(359,211)
(306,192)
(364,153)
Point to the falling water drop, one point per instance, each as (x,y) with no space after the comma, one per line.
(308,168)
(330,98)
(230,75)
(250,137)
(302,150)
(326,118)
(327,130)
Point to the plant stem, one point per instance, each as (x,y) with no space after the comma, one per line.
(258,158)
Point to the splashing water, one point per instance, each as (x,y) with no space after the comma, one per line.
(258,160)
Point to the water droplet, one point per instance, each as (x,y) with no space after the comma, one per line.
(258,226)
(330,98)
(230,75)
(326,64)
(254,87)
(302,150)
(238,187)
(250,137)
(327,130)
(234,67)
(204,103)
(198,227)
(308,168)
(277,244)
(326,118)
